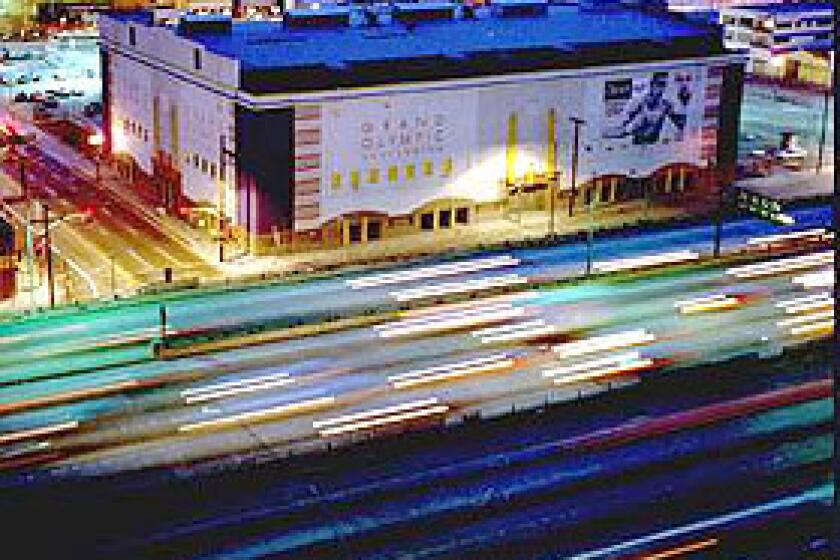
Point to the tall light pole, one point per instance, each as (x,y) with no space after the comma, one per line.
(97,140)
(719,189)
(576,122)
(824,121)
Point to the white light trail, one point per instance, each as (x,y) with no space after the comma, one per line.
(452,320)
(385,420)
(520,331)
(804,299)
(374,413)
(238,387)
(606,342)
(592,364)
(12,437)
(459,287)
(619,265)
(820,279)
(604,372)
(448,269)
(805,234)
(260,415)
(451,371)
(779,266)
(811,317)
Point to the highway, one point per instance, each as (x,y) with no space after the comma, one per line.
(596,474)
(39,338)
(433,365)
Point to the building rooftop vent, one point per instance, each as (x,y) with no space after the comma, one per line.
(427,11)
(519,8)
(325,17)
(193,24)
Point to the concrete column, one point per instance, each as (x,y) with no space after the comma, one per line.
(345,231)
(681,180)
(364,224)
(613,189)
(669,177)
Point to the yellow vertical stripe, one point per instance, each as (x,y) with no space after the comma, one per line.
(510,149)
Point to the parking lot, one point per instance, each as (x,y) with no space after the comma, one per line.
(55,78)
(768,111)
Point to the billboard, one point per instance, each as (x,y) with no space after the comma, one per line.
(394,152)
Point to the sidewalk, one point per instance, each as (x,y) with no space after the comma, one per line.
(485,233)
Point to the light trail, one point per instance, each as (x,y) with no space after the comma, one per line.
(450,320)
(459,287)
(238,387)
(819,279)
(809,318)
(448,269)
(601,373)
(606,342)
(804,299)
(380,420)
(261,415)
(821,494)
(622,265)
(818,233)
(375,412)
(681,550)
(708,303)
(448,372)
(583,366)
(13,437)
(781,266)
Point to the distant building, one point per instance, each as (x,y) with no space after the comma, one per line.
(771,32)
(344,125)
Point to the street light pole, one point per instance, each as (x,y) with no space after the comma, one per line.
(576,122)
(590,236)
(113,278)
(48,251)
(824,122)
(712,170)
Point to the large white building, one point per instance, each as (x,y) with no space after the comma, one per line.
(344,125)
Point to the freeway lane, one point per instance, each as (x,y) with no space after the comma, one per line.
(40,338)
(388,506)
(288,395)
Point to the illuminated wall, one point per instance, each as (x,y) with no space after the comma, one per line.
(393,153)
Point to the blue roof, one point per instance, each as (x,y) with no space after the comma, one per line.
(275,57)
(786,7)
(262,44)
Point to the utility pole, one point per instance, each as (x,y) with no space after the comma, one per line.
(48,251)
(162,314)
(824,120)
(113,278)
(45,221)
(590,236)
(712,170)
(576,122)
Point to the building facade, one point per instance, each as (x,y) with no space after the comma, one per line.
(303,132)
(772,32)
